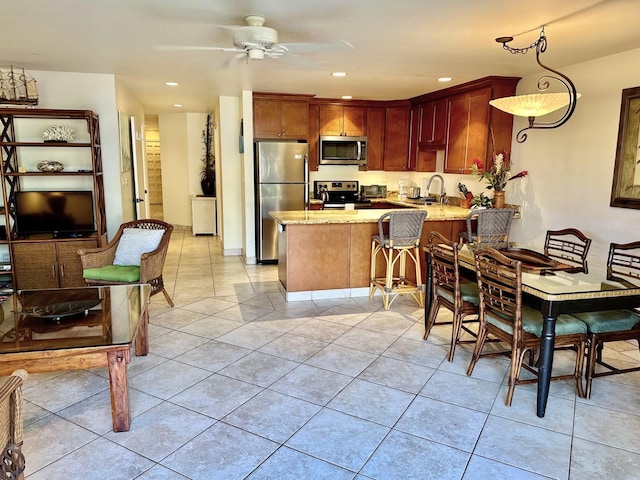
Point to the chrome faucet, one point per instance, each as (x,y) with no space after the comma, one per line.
(442,192)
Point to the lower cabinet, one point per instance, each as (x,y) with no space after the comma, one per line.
(51,264)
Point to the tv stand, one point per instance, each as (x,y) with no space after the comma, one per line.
(49,260)
(72,234)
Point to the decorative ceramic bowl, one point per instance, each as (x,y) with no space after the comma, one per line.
(58,133)
(50,166)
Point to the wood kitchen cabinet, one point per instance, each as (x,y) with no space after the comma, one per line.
(432,126)
(375,138)
(343,120)
(468,130)
(50,264)
(280,117)
(396,138)
(313,137)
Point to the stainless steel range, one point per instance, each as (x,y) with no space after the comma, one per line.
(339,195)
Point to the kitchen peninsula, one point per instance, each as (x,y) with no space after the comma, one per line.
(327,253)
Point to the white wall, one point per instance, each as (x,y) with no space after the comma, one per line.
(97,92)
(232,200)
(248,181)
(571,167)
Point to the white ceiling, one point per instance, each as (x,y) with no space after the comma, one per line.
(400,47)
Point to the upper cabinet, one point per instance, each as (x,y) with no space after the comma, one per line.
(432,130)
(375,137)
(343,120)
(280,117)
(468,130)
(463,114)
(396,139)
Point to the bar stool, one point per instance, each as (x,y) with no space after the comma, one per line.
(402,242)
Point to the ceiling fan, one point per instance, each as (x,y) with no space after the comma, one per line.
(254,41)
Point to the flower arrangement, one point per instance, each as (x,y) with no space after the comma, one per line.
(58,133)
(500,172)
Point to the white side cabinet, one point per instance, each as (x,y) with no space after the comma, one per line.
(203,210)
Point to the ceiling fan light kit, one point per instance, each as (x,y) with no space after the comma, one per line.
(537,105)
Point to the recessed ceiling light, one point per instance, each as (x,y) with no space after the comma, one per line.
(444,79)
(346,97)
(177,105)
(171,84)
(338,74)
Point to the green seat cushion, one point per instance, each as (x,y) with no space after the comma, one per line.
(532,323)
(609,320)
(113,273)
(468,292)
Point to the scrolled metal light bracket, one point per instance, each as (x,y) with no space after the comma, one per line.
(557,101)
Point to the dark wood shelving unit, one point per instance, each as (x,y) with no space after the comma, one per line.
(42,261)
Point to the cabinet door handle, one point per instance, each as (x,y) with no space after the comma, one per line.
(53,271)
(61,270)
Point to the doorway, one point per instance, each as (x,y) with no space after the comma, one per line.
(154,167)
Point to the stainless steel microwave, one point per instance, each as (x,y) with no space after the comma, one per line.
(338,150)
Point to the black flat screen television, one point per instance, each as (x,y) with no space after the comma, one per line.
(64,213)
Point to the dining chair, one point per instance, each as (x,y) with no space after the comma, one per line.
(11,426)
(623,266)
(503,315)
(450,290)
(492,230)
(135,254)
(569,246)
(402,243)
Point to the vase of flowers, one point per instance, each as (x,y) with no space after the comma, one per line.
(497,176)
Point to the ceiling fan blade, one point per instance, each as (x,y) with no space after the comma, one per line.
(302,47)
(170,48)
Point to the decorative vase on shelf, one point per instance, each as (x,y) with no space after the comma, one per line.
(49,166)
(498,199)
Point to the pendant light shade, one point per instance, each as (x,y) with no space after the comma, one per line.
(533,105)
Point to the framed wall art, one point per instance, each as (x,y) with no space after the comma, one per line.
(625,191)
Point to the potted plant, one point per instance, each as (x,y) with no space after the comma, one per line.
(481,201)
(208,173)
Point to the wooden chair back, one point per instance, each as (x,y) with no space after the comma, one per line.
(570,246)
(623,263)
(500,289)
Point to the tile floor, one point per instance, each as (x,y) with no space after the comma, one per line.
(241,384)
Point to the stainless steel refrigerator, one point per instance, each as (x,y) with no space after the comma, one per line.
(281,184)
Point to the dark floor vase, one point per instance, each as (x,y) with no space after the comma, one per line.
(208,184)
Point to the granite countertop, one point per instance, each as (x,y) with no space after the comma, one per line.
(365,215)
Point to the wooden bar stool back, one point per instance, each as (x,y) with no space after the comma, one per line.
(402,243)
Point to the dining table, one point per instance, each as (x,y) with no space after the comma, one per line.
(548,287)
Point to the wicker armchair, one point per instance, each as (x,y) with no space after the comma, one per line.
(97,263)
(492,230)
(12,462)
(402,243)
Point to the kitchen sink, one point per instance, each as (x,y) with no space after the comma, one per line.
(422,200)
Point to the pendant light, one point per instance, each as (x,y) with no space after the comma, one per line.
(539,104)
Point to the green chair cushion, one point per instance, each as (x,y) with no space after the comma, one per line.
(532,323)
(468,292)
(609,320)
(113,273)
